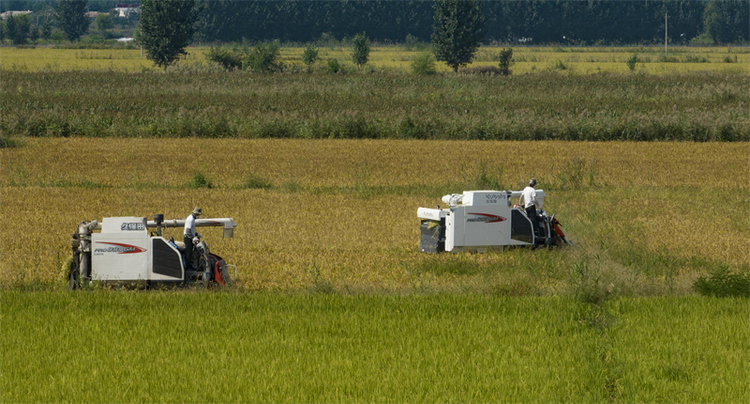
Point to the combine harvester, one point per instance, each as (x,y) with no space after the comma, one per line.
(477,221)
(123,252)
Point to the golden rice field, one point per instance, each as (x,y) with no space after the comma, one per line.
(341,214)
(395,58)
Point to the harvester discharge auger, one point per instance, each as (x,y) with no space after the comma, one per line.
(482,220)
(121,250)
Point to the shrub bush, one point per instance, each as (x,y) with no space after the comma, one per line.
(263,58)
(255,182)
(200,181)
(228,59)
(423,64)
(506,61)
(723,283)
(632,62)
(333,66)
(310,55)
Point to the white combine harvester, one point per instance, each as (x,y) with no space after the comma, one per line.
(121,250)
(481,220)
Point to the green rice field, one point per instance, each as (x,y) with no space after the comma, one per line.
(129,346)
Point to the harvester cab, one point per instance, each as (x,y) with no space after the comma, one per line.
(133,251)
(481,220)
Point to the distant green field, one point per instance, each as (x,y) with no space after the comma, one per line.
(110,346)
(569,60)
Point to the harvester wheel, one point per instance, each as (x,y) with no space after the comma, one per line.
(74,273)
(74,279)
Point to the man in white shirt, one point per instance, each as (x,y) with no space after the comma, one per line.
(190,233)
(528,201)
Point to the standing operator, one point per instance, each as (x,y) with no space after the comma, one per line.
(528,201)
(190,233)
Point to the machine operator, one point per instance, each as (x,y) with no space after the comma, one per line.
(190,234)
(528,201)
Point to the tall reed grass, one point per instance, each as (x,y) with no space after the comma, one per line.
(692,107)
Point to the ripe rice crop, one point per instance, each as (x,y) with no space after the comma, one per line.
(577,60)
(340,215)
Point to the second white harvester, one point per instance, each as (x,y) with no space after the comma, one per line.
(481,220)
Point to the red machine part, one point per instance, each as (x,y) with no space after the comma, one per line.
(217,273)
(556,225)
(217,269)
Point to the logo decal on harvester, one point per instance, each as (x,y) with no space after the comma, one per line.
(132,226)
(120,248)
(485,218)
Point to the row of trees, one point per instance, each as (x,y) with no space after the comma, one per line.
(60,19)
(69,16)
(166,27)
(527,21)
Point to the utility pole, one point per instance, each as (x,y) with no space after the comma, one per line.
(665,33)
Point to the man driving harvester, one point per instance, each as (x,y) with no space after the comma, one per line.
(189,235)
(528,201)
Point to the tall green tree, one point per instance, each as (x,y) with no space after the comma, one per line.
(71,15)
(264,58)
(361,51)
(166,28)
(506,61)
(728,21)
(457,31)
(17,29)
(310,55)
(46,30)
(103,22)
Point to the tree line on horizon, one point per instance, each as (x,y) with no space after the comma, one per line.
(594,22)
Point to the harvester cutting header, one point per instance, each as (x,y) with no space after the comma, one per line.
(482,220)
(121,250)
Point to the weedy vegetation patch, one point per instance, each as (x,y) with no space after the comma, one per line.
(693,106)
